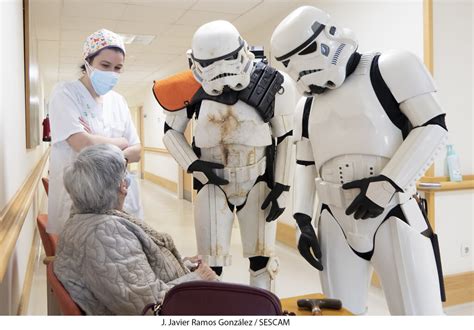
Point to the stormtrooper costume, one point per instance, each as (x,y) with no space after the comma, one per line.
(241,153)
(369,128)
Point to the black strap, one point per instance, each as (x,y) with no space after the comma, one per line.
(167,127)
(280,139)
(305,162)
(429,232)
(317,29)
(352,63)
(387,100)
(228,97)
(438,120)
(306,112)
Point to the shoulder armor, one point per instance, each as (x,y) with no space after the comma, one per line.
(265,83)
(286,98)
(303,109)
(405,75)
(387,99)
(175,92)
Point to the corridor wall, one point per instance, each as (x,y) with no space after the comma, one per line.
(16,162)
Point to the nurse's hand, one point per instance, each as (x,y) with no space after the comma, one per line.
(85,124)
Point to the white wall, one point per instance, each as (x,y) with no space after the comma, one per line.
(453,72)
(453,65)
(16,161)
(376,24)
(153,125)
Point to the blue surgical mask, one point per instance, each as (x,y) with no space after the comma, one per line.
(102,81)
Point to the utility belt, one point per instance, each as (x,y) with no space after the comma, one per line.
(332,194)
(244,173)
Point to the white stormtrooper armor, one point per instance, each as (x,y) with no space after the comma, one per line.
(371,128)
(243,115)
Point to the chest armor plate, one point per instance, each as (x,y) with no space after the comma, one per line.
(239,123)
(351,120)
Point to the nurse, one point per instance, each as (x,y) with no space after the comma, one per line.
(85,112)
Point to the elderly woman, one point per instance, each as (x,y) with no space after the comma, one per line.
(109,262)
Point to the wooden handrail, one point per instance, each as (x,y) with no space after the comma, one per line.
(14,213)
(156,150)
(442,183)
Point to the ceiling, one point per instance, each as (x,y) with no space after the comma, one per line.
(61,26)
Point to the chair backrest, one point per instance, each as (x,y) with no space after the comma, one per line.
(65,302)
(219,298)
(50,241)
(45,184)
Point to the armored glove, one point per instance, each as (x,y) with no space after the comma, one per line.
(308,244)
(375,194)
(277,205)
(207,169)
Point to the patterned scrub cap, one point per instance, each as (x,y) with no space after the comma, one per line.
(101,39)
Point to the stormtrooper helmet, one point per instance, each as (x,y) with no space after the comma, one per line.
(314,52)
(220,57)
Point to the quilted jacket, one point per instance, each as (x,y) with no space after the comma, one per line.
(109,265)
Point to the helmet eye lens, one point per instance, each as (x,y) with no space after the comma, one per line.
(205,63)
(325,49)
(310,49)
(232,57)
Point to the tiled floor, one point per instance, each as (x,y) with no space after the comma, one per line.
(168,214)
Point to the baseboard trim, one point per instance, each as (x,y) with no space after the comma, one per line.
(459,288)
(28,282)
(163,182)
(188,195)
(286,234)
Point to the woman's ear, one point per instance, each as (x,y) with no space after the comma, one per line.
(123,187)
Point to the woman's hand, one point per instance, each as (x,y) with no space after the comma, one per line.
(192,263)
(205,272)
(194,259)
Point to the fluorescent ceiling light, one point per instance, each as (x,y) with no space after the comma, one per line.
(137,39)
(127,38)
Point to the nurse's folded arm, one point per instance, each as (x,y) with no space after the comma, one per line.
(79,141)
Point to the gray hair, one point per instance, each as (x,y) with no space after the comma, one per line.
(94,178)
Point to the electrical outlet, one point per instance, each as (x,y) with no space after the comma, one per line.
(465,249)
